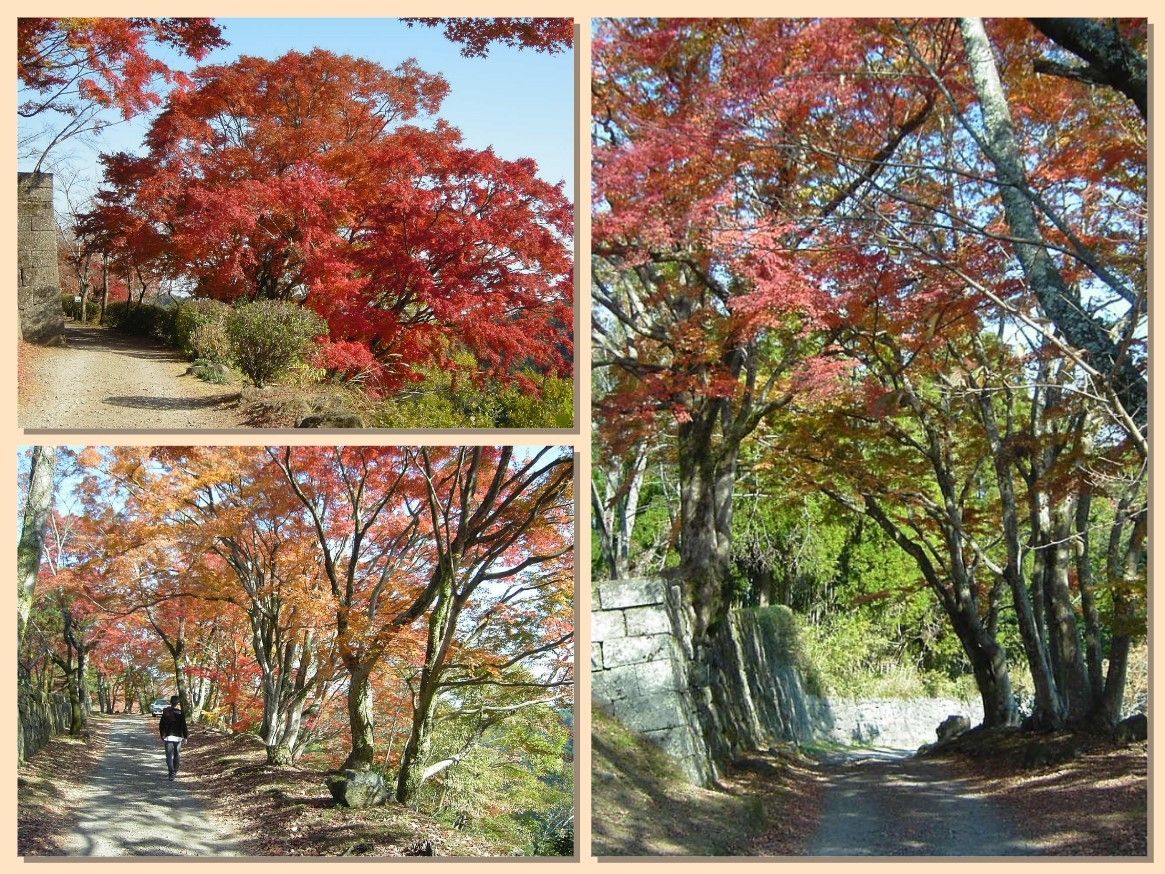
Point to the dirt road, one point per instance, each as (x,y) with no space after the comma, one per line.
(132,809)
(106,381)
(885,804)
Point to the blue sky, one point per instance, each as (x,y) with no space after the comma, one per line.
(519,102)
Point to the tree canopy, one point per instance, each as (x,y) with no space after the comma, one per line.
(898,265)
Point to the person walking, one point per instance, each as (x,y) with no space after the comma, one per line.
(172,727)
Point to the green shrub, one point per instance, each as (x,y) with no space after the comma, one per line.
(72,308)
(270,336)
(781,630)
(211,370)
(552,407)
(435,403)
(858,658)
(191,317)
(210,342)
(144,320)
(554,832)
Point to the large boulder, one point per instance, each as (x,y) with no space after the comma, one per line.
(358,788)
(1135,728)
(952,726)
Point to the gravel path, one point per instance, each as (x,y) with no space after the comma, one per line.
(887,804)
(106,381)
(134,810)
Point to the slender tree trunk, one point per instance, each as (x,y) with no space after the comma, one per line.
(419,744)
(988,659)
(38,506)
(1047,699)
(1093,635)
(104,285)
(102,694)
(616,508)
(1124,568)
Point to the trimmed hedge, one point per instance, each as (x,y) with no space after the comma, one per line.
(144,320)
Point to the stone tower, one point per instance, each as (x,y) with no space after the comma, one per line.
(38,283)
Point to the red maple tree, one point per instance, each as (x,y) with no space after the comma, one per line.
(309,178)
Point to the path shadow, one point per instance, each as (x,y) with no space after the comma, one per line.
(107,340)
(884,803)
(133,809)
(144,402)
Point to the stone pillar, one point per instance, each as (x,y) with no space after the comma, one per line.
(42,320)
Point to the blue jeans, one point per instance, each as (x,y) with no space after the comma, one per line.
(172,756)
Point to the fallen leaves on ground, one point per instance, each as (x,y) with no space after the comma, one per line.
(642,805)
(288,811)
(1093,803)
(51,784)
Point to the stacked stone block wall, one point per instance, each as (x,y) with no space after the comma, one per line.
(38,295)
(896,723)
(639,668)
(743,690)
(39,718)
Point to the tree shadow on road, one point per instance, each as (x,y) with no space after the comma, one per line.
(92,338)
(145,402)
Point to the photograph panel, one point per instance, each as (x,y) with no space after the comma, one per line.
(274,223)
(296,651)
(870,474)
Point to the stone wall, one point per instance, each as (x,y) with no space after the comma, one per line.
(904,724)
(743,690)
(740,693)
(748,690)
(38,282)
(639,668)
(39,719)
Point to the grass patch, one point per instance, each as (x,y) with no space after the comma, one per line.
(642,804)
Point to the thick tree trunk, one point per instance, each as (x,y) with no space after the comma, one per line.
(1110,59)
(1064,630)
(419,744)
(74,668)
(285,687)
(360,719)
(707,479)
(38,507)
(417,747)
(989,665)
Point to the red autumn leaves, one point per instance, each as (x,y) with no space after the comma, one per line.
(331,181)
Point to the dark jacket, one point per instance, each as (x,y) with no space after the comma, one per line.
(173,723)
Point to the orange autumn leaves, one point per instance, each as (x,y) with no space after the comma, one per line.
(339,554)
